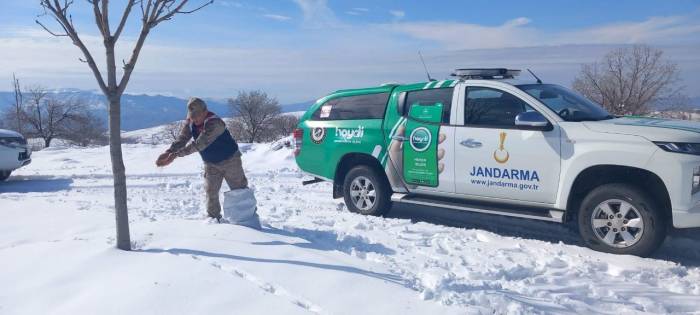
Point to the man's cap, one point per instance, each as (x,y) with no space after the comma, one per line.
(196,106)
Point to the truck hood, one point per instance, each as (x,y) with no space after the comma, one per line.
(4,133)
(653,129)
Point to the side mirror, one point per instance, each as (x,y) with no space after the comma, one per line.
(532,120)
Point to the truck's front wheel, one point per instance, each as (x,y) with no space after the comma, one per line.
(366,192)
(621,219)
(4,175)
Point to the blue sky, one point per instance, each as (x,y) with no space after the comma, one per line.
(298,50)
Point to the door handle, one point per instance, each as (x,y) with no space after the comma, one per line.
(471,143)
(399,138)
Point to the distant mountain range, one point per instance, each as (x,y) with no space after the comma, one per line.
(695,102)
(144,111)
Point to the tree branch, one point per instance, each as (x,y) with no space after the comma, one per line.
(99,20)
(49,31)
(125,17)
(59,14)
(178,10)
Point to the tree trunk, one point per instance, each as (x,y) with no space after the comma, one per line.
(47,142)
(119,171)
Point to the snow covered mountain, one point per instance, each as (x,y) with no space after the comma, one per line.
(144,111)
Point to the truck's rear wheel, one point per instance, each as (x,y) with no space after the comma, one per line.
(621,219)
(366,192)
(4,175)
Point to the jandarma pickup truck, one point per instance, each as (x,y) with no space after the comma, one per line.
(489,143)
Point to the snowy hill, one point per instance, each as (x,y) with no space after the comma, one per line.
(312,256)
(144,111)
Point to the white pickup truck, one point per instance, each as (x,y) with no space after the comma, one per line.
(14,153)
(486,142)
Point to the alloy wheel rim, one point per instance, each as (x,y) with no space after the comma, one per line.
(617,223)
(362,193)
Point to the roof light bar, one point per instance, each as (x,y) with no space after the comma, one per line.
(486,73)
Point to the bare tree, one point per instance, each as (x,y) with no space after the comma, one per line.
(49,117)
(674,107)
(153,12)
(172,130)
(256,111)
(18,104)
(283,126)
(236,127)
(629,80)
(86,129)
(11,117)
(167,134)
(37,100)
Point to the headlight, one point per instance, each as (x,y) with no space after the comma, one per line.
(680,147)
(13,142)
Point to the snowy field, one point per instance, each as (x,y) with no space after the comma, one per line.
(312,256)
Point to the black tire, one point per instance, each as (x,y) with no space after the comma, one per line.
(603,200)
(4,175)
(381,203)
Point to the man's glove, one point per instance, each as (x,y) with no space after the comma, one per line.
(165,159)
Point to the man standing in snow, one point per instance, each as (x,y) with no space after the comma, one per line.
(219,151)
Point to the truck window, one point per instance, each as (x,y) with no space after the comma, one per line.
(492,108)
(429,97)
(368,106)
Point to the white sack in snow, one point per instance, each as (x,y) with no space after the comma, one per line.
(240,208)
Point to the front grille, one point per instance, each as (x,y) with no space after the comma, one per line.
(23,156)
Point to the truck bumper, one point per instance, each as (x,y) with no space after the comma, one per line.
(685,220)
(12,158)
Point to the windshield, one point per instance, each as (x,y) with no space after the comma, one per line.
(568,104)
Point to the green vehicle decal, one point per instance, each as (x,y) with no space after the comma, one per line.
(326,142)
(420,155)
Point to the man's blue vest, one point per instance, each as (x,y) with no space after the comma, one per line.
(223,148)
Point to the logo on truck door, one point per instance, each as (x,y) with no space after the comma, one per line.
(420,139)
(318,134)
(501,155)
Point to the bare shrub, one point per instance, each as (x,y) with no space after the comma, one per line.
(255,111)
(630,80)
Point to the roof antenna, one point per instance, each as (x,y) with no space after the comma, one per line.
(425,67)
(533,74)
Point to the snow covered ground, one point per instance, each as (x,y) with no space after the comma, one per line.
(312,256)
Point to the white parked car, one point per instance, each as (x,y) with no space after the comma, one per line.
(14,153)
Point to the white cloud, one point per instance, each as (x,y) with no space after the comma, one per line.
(357,11)
(232,4)
(654,29)
(521,21)
(518,32)
(317,14)
(453,35)
(397,14)
(277,17)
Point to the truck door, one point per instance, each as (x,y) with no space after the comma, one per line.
(428,166)
(494,158)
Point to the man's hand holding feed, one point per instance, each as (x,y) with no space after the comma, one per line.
(165,159)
